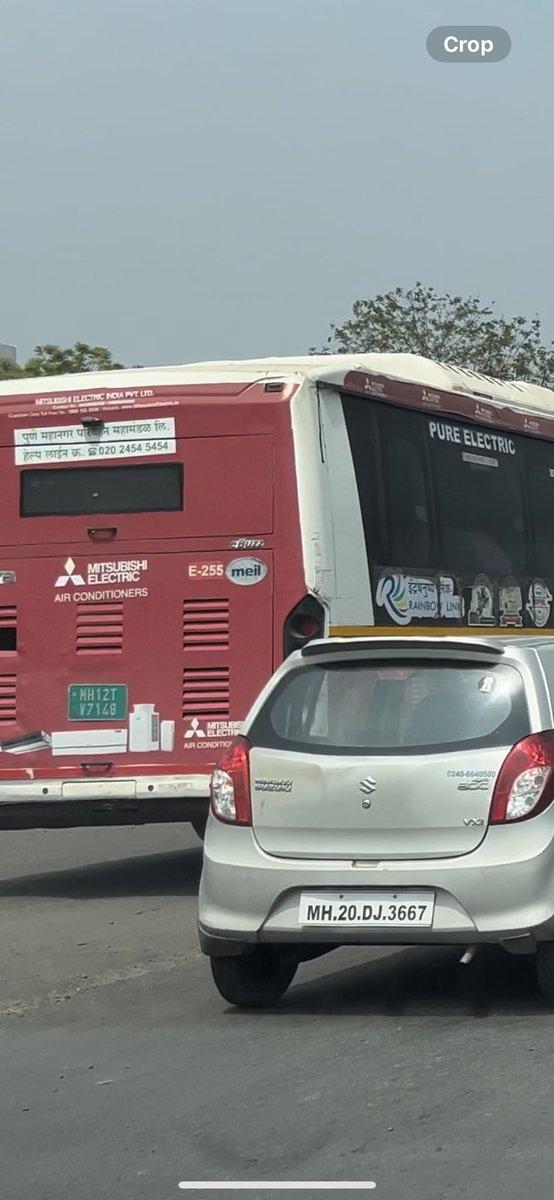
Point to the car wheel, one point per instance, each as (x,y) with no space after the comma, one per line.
(545,969)
(199,826)
(256,980)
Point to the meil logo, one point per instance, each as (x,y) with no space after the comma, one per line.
(246,571)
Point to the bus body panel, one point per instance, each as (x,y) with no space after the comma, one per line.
(132,644)
(350,600)
(220,474)
(137,663)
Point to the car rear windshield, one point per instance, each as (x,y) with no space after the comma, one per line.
(344,708)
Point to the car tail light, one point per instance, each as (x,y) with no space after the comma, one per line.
(305,622)
(230,785)
(525,782)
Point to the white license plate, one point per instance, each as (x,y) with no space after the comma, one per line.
(367,909)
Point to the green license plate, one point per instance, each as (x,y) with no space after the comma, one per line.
(97,702)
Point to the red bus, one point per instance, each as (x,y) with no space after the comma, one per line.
(169,535)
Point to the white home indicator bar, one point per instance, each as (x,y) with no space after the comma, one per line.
(264,1186)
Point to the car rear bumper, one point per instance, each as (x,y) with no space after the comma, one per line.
(58,803)
(502,892)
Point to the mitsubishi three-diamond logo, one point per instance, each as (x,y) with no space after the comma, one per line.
(71,576)
(195,730)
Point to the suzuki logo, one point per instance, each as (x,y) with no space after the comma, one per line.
(367,786)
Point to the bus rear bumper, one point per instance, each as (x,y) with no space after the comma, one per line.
(57,803)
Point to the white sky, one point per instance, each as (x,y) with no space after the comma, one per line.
(187,179)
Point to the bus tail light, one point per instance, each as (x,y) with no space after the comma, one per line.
(525,783)
(230,785)
(305,622)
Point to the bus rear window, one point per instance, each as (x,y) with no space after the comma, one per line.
(79,491)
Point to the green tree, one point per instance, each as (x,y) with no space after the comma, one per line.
(55,360)
(80,358)
(10,369)
(460,331)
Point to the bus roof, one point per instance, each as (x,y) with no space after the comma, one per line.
(332,369)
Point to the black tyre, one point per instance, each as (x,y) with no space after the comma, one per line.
(199,826)
(257,980)
(545,970)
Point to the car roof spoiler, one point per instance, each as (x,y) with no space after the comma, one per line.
(401,645)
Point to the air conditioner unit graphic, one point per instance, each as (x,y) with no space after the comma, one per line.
(26,743)
(144,728)
(89,741)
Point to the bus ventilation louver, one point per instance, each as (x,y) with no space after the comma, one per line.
(206,693)
(8,711)
(8,628)
(205,625)
(99,627)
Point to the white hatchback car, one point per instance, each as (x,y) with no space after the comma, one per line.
(385,791)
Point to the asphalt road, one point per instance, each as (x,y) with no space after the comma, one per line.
(123,1073)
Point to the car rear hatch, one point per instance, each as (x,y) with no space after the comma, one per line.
(374,758)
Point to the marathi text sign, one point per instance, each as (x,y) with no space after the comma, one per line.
(114,439)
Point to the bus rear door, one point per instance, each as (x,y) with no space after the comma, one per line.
(134,636)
